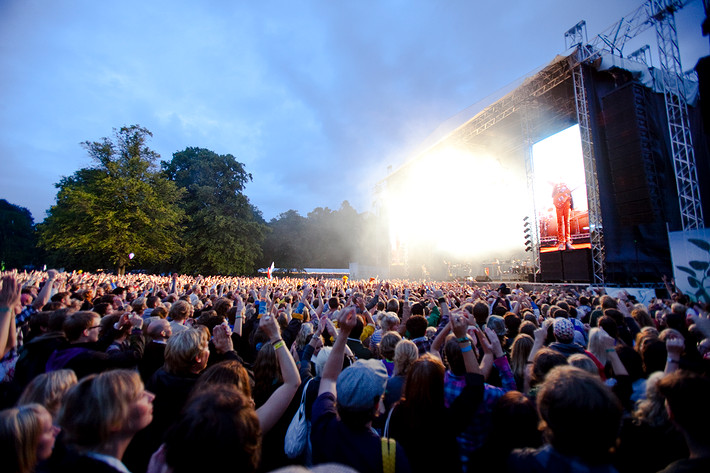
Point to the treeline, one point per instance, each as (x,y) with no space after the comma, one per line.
(130,210)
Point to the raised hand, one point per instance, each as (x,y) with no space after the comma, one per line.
(10,292)
(347,319)
(222,338)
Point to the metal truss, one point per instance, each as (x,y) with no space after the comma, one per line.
(596,227)
(528,117)
(691,212)
(542,82)
(658,14)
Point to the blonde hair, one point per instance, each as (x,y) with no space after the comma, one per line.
(405,353)
(652,409)
(20,431)
(138,304)
(180,310)
(48,389)
(97,406)
(595,346)
(182,349)
(583,362)
(321,358)
(303,333)
(519,352)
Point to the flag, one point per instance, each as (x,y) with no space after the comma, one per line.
(270,271)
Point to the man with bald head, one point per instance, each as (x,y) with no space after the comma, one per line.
(158,331)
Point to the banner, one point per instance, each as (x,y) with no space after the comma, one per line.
(690,256)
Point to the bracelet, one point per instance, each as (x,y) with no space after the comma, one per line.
(466,348)
(609,350)
(277,341)
(238,317)
(671,360)
(278,344)
(463,340)
(4,309)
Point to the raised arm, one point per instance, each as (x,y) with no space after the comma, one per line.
(46,292)
(274,407)
(459,324)
(239,316)
(346,322)
(438,342)
(540,335)
(674,348)
(9,301)
(608,342)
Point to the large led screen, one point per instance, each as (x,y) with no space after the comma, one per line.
(560,192)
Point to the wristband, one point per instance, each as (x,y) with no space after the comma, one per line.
(463,339)
(4,309)
(278,344)
(466,348)
(609,350)
(671,360)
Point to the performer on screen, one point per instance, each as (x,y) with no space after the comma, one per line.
(562,199)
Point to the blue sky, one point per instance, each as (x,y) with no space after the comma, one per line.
(317,98)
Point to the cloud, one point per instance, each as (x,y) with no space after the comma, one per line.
(317,98)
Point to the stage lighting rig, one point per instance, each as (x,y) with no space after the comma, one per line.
(527,232)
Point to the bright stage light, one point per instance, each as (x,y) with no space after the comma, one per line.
(458,204)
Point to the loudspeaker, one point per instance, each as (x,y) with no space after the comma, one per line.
(551,266)
(482,278)
(577,265)
(631,162)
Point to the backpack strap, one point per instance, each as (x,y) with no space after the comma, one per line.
(303,394)
(389,455)
(386,432)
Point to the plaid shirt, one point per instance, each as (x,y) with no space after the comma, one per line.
(423,344)
(474,436)
(22,319)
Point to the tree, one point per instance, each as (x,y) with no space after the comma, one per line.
(286,245)
(324,239)
(223,230)
(121,206)
(17,236)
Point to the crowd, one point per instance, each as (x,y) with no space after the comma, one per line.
(146,373)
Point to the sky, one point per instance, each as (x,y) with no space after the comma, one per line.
(317,98)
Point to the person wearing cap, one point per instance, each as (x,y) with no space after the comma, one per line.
(564,343)
(563,330)
(347,403)
(502,299)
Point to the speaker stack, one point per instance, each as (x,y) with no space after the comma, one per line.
(566,266)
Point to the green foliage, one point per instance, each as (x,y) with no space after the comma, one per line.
(323,239)
(224,231)
(122,205)
(17,236)
(698,272)
(284,245)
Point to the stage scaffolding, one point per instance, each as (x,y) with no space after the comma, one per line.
(659,14)
(535,98)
